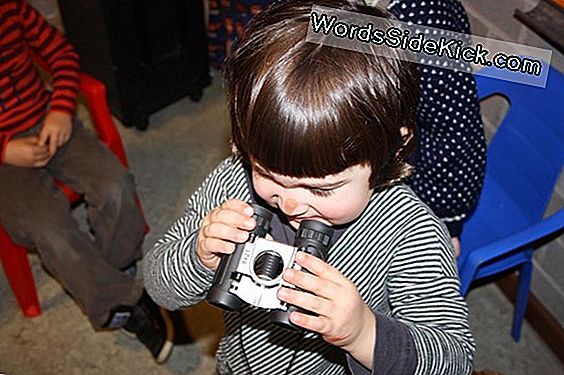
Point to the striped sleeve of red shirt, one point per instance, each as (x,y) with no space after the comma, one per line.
(57,53)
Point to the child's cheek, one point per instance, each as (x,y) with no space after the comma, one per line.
(343,211)
(264,191)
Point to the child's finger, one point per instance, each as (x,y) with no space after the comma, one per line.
(310,282)
(40,152)
(319,267)
(314,264)
(233,218)
(321,307)
(43,138)
(209,250)
(41,161)
(306,301)
(239,206)
(53,144)
(214,246)
(312,323)
(61,140)
(225,232)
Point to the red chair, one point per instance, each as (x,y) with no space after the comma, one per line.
(14,258)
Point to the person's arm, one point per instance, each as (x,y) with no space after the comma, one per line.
(394,350)
(428,330)
(174,276)
(58,54)
(450,159)
(424,295)
(63,66)
(374,342)
(452,153)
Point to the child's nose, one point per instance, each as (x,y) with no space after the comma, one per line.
(292,207)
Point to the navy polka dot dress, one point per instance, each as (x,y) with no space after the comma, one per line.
(451,156)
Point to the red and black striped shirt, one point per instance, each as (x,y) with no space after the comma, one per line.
(24,98)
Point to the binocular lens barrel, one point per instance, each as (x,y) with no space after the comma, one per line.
(219,294)
(313,237)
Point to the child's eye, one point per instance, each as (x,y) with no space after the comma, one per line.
(322,192)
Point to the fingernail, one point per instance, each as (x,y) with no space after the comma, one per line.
(288,273)
(282,292)
(229,248)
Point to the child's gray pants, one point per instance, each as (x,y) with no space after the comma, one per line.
(36,213)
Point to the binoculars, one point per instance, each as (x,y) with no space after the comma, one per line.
(253,272)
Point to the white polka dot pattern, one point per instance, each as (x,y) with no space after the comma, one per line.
(450,159)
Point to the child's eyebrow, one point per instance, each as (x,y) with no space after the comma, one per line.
(327,186)
(313,185)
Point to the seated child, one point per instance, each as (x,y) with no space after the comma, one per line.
(322,133)
(41,140)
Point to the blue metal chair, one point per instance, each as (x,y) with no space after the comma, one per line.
(525,158)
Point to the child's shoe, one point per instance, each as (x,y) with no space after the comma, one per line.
(151,328)
(148,323)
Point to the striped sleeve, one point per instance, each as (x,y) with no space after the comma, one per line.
(174,276)
(400,257)
(59,55)
(424,294)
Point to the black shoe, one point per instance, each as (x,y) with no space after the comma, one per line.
(148,323)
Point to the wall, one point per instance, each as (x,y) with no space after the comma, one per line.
(494,19)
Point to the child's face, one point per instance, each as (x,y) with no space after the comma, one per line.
(334,199)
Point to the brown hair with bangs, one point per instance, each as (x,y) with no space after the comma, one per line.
(306,110)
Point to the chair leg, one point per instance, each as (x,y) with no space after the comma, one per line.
(16,266)
(523,287)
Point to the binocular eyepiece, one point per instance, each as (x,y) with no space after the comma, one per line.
(253,272)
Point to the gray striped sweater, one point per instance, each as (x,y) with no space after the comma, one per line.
(397,253)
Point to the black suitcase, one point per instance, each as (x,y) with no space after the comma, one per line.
(149,53)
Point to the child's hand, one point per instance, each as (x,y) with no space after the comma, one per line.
(26,152)
(221,229)
(56,130)
(344,320)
